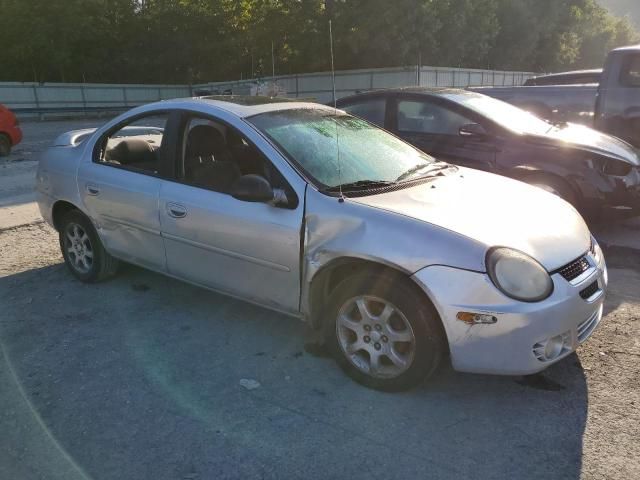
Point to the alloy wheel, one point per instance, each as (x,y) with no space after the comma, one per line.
(78,246)
(375,336)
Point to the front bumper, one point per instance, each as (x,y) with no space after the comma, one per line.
(515,344)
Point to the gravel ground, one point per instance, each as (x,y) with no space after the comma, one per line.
(140,377)
(147,377)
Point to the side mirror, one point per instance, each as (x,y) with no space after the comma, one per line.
(252,188)
(473,130)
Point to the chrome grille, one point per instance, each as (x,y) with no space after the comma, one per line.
(574,269)
(586,328)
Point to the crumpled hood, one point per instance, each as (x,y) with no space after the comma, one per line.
(590,140)
(495,211)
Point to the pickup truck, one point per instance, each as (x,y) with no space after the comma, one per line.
(612,106)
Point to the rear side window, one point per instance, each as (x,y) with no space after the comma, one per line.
(136,146)
(630,75)
(424,117)
(371,110)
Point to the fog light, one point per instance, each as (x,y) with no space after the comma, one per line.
(552,348)
(476,318)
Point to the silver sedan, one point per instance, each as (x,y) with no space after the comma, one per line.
(396,258)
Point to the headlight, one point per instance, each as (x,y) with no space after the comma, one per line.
(517,275)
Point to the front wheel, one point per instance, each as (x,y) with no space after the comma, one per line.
(5,145)
(383,331)
(82,249)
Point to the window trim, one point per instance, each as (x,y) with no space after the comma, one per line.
(163,150)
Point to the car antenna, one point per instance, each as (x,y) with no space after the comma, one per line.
(335,114)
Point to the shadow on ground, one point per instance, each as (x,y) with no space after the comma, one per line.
(139,378)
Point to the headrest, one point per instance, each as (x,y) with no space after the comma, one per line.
(132,150)
(204,140)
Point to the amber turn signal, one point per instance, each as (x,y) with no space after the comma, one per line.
(476,318)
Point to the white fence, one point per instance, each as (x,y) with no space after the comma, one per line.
(318,86)
(37,98)
(53,97)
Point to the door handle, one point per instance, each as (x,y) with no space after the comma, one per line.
(176,210)
(92,189)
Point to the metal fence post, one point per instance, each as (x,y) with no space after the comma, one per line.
(35,97)
(84,99)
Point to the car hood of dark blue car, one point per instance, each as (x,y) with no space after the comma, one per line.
(588,139)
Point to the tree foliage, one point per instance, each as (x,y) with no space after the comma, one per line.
(191,41)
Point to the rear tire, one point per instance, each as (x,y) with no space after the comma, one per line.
(82,249)
(5,145)
(383,331)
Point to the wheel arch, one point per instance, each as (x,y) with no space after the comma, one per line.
(327,278)
(332,273)
(58,211)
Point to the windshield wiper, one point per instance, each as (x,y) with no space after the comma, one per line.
(360,185)
(434,168)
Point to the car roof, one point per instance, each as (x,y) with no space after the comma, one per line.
(627,48)
(245,106)
(426,91)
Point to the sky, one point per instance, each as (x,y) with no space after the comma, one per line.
(624,7)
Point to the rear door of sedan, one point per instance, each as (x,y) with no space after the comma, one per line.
(119,185)
(246,249)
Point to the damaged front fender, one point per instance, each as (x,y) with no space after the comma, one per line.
(336,230)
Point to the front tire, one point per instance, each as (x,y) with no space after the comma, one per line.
(82,249)
(383,331)
(5,145)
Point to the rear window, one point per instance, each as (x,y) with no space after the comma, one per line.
(630,75)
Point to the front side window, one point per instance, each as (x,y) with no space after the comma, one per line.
(631,71)
(502,113)
(423,117)
(136,146)
(215,156)
(337,149)
(372,110)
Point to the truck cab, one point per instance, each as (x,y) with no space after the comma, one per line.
(612,106)
(617,108)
